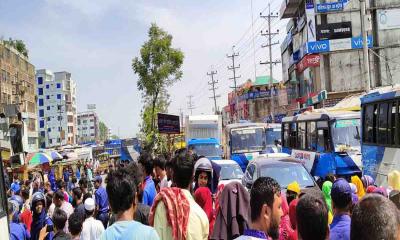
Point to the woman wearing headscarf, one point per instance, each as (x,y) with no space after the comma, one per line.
(203,197)
(285,228)
(394,180)
(360,187)
(293,221)
(326,192)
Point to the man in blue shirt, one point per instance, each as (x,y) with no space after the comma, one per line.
(341,203)
(15,186)
(149,189)
(101,201)
(17,230)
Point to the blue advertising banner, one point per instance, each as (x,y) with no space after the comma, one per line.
(357,42)
(318,46)
(329,7)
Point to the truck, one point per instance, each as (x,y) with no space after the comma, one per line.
(203,135)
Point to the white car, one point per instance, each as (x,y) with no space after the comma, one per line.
(230,171)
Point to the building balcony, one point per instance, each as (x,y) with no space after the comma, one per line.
(289,8)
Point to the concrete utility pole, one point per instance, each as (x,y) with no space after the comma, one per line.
(270,35)
(190,104)
(233,68)
(213,88)
(367,75)
(181,116)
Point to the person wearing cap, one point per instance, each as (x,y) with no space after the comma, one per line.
(92,229)
(101,200)
(341,195)
(292,191)
(17,230)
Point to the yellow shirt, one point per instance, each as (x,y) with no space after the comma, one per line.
(198,224)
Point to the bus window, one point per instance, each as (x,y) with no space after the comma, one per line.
(293,135)
(286,140)
(392,130)
(311,136)
(302,135)
(369,122)
(323,144)
(382,134)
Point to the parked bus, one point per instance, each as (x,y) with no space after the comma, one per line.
(381,133)
(326,142)
(245,141)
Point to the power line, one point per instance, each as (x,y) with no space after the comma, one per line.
(270,35)
(191,104)
(213,88)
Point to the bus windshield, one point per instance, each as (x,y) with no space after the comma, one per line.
(206,149)
(248,140)
(272,135)
(346,134)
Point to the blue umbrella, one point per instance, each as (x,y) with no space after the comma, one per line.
(55,155)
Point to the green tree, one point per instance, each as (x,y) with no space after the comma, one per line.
(19,45)
(103,130)
(158,67)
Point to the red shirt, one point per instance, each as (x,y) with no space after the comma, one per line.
(26,218)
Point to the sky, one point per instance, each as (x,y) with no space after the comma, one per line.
(96,41)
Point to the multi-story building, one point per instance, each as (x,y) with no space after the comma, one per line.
(88,127)
(322,55)
(17,95)
(57,108)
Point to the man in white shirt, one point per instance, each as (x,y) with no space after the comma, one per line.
(92,228)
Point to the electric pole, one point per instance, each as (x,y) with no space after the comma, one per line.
(181,116)
(190,104)
(233,68)
(365,46)
(270,35)
(213,88)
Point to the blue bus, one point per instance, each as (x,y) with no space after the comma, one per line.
(380,133)
(245,141)
(326,142)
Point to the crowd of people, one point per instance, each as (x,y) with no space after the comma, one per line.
(179,198)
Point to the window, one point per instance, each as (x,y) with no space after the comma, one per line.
(394,124)
(369,123)
(311,136)
(42,133)
(48,119)
(49,130)
(285,139)
(41,102)
(92,127)
(59,118)
(47,97)
(323,144)
(51,141)
(293,135)
(40,91)
(382,130)
(302,135)
(60,129)
(41,123)
(59,107)
(250,172)
(59,96)
(47,86)
(48,107)
(41,113)
(40,80)
(58,85)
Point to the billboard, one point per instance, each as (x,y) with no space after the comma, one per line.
(168,124)
(323,46)
(310,15)
(388,19)
(334,31)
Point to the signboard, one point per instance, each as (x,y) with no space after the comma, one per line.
(307,158)
(318,46)
(312,60)
(91,106)
(330,7)
(357,42)
(168,124)
(310,16)
(334,31)
(340,44)
(388,19)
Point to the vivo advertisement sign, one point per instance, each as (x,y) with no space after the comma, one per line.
(336,45)
(318,46)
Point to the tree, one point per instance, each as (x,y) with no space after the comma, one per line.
(158,67)
(19,45)
(103,129)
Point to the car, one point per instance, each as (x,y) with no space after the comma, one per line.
(283,169)
(230,171)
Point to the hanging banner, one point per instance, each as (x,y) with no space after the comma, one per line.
(334,31)
(310,16)
(312,60)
